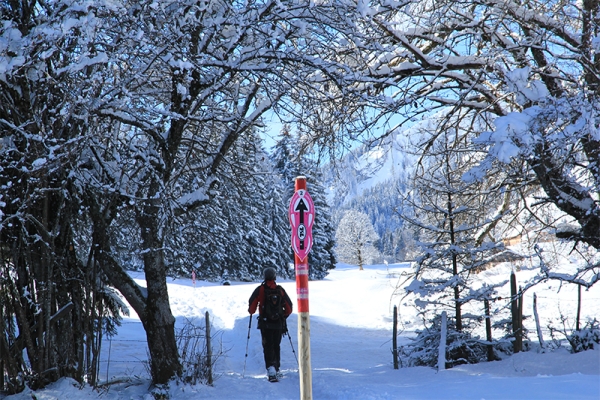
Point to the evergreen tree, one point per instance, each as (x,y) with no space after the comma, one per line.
(285,160)
(456,220)
(264,216)
(241,232)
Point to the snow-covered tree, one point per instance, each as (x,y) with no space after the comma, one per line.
(53,290)
(286,159)
(258,217)
(380,203)
(121,108)
(242,230)
(525,74)
(356,239)
(371,179)
(455,220)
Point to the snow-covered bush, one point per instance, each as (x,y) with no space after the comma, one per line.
(505,325)
(585,339)
(579,340)
(461,347)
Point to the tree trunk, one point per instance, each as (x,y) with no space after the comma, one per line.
(159,322)
(160,332)
(360,259)
(152,308)
(457,304)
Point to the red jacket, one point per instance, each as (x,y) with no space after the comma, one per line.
(257,300)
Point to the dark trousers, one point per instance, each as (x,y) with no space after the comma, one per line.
(271,342)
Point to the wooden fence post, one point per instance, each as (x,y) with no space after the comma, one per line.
(519,337)
(208,351)
(537,322)
(577,326)
(394,338)
(488,330)
(516,310)
(442,350)
(1,369)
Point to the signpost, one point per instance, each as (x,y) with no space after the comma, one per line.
(302,217)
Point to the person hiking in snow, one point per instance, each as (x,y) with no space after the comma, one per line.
(274,306)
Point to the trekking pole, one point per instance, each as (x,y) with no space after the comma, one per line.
(293,351)
(247,341)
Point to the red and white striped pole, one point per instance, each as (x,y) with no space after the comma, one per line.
(301,219)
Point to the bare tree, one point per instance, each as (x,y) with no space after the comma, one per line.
(530,70)
(524,75)
(55,303)
(141,104)
(186,82)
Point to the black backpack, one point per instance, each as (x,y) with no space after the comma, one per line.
(273,315)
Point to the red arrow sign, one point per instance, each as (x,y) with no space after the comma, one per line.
(302,216)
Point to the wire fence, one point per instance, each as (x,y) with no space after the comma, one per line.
(129,356)
(122,356)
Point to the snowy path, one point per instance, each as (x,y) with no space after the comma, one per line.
(350,349)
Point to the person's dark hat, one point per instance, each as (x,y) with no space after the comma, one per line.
(269,274)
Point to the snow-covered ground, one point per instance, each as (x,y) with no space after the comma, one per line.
(351,342)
